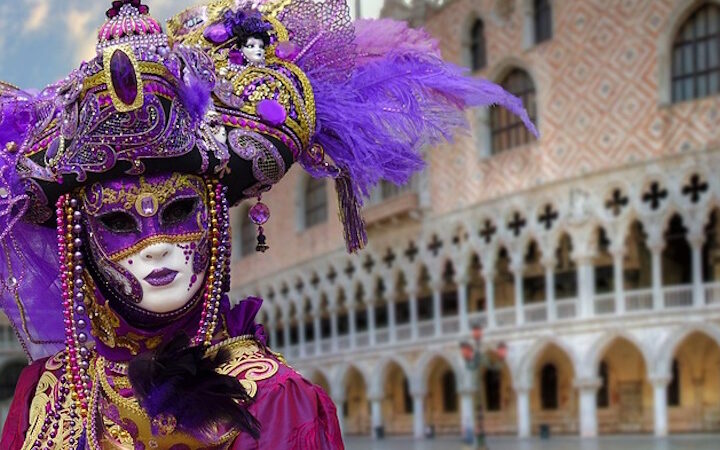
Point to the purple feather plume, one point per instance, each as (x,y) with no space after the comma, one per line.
(181,381)
(375,125)
(195,96)
(377,38)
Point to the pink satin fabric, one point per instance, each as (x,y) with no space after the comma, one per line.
(294,414)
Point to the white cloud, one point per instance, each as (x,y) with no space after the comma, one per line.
(83,38)
(37,18)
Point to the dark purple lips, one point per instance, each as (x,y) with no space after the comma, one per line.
(161,277)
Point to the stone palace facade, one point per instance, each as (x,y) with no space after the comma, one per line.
(592,252)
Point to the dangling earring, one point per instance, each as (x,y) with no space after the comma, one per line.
(260,214)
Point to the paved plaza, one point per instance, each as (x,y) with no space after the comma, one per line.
(688,442)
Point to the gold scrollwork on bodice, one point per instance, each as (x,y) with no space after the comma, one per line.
(47,401)
(248,363)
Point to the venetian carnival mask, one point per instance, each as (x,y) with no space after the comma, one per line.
(148,239)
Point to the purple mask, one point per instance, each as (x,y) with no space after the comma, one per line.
(148,238)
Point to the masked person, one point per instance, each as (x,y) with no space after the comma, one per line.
(115,189)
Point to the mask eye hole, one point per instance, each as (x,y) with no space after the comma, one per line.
(178,211)
(119,222)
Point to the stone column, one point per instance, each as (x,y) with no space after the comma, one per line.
(376,418)
(522,393)
(489,277)
(698,292)
(317,332)
(301,336)
(338,397)
(586,285)
(549,265)
(392,325)
(351,324)
(656,245)
(467,412)
(274,335)
(286,331)
(437,307)
(412,299)
(334,328)
(517,271)
(418,414)
(370,305)
(462,293)
(588,406)
(619,280)
(660,404)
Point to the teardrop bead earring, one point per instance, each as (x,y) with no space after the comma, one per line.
(260,214)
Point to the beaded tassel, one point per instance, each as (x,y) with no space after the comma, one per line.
(69,230)
(260,214)
(215,284)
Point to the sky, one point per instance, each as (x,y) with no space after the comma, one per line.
(41,41)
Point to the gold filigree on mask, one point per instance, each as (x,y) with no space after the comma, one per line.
(158,193)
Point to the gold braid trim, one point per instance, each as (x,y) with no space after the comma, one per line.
(171,239)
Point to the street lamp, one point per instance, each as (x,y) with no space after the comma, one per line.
(476,360)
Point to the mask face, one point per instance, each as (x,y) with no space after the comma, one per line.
(254,51)
(148,238)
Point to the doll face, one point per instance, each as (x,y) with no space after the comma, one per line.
(148,238)
(254,51)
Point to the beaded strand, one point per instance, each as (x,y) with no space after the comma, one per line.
(218,232)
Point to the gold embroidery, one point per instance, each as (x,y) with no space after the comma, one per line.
(247,363)
(129,195)
(130,409)
(141,68)
(120,105)
(103,320)
(46,393)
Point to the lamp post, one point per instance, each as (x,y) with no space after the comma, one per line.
(476,360)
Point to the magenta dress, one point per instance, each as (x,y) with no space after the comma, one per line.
(294,414)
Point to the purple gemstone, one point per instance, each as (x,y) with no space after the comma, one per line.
(286,50)
(123,76)
(148,205)
(271,112)
(260,213)
(217,34)
(236,57)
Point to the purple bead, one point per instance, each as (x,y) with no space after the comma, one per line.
(286,50)
(271,112)
(259,213)
(123,77)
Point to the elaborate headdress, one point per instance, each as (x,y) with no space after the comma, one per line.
(235,93)
(356,102)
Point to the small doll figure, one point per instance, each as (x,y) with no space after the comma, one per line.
(250,36)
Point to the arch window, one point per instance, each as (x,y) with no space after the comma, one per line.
(478,56)
(316,202)
(673,389)
(542,16)
(696,55)
(549,387)
(493,386)
(407,398)
(507,130)
(449,392)
(603,394)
